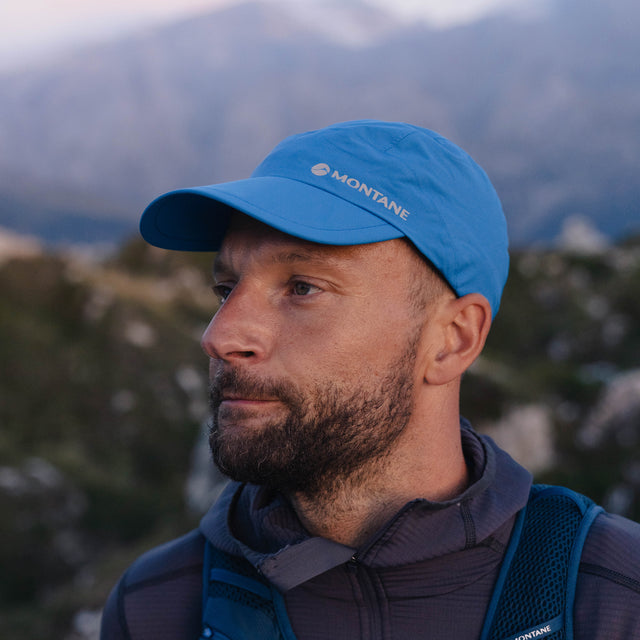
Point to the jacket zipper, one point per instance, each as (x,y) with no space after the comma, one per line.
(368,600)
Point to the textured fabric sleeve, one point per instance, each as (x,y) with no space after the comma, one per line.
(159,597)
(112,628)
(608,592)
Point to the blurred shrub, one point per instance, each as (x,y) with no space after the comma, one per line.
(103,391)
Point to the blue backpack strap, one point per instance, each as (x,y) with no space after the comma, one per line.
(535,591)
(238,603)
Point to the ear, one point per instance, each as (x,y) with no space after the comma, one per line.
(462,328)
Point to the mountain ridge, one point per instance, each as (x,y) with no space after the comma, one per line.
(548,106)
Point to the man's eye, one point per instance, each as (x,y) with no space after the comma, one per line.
(222,291)
(302,288)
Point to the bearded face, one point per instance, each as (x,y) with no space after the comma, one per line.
(313,356)
(318,437)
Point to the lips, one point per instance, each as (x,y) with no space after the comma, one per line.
(239,402)
(237,389)
(244,402)
(237,397)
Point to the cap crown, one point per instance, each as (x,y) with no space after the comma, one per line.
(415,180)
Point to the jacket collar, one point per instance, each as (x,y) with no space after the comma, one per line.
(260,525)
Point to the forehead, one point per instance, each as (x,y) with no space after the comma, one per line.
(246,237)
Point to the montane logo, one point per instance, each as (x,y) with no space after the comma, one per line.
(320,169)
(540,632)
(323,169)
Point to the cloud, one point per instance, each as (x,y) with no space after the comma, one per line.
(28,28)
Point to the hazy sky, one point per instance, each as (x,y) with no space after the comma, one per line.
(31,28)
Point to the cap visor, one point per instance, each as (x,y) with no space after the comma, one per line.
(196,219)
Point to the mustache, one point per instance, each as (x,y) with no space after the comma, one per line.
(232,382)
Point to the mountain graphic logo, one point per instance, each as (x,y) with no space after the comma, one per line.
(321,169)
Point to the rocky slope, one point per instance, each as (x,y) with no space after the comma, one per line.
(103,397)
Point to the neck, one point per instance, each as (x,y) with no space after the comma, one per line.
(351,510)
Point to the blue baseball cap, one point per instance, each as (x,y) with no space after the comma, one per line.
(356,183)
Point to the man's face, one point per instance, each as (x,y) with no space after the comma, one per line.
(313,367)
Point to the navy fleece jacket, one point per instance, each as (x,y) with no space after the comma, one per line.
(428,573)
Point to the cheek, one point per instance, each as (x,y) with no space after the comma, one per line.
(347,336)
(344,347)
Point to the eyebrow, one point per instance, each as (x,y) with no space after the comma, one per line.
(284,257)
(296,256)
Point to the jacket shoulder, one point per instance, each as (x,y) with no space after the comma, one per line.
(608,590)
(159,596)
(613,545)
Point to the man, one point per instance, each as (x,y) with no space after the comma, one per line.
(359,270)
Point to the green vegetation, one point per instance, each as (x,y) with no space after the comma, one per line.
(567,338)
(98,422)
(103,391)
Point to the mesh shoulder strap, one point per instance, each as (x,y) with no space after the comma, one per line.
(534,595)
(238,603)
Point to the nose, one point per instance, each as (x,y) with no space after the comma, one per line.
(239,329)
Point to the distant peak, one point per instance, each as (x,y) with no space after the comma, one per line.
(580,236)
(353,24)
(15,245)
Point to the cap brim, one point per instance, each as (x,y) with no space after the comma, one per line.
(196,219)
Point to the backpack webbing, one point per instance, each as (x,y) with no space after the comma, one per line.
(533,597)
(238,603)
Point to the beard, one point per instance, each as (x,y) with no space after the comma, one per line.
(327,436)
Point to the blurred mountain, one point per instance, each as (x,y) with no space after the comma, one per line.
(548,103)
